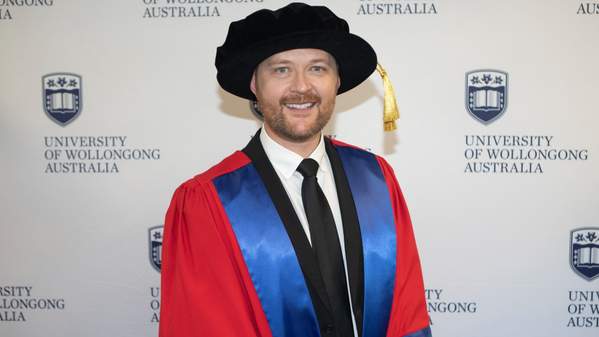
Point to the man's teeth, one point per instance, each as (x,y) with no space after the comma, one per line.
(299,106)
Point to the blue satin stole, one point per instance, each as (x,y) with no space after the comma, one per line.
(271,260)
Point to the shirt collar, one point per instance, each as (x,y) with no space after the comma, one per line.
(286,161)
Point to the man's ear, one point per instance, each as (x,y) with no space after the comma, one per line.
(253,83)
(338,82)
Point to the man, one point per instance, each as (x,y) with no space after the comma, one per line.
(296,235)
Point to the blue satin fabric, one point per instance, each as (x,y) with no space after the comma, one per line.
(426,332)
(377,226)
(268,253)
(271,259)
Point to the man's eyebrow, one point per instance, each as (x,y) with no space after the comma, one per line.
(323,60)
(281,61)
(316,60)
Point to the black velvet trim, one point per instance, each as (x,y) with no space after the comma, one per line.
(351,232)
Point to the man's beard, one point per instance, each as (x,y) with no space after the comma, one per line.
(279,123)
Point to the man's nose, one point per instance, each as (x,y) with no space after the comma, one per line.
(300,82)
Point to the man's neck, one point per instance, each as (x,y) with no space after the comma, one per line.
(304,148)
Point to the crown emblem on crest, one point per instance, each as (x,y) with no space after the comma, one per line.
(61,96)
(584,252)
(486,94)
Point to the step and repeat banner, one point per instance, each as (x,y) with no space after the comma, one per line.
(107,106)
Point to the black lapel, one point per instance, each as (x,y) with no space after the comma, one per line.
(351,233)
(301,245)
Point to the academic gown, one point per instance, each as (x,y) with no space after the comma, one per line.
(236,262)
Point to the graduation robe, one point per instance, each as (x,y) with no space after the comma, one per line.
(236,262)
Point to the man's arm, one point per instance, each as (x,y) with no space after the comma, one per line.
(409,317)
(206,289)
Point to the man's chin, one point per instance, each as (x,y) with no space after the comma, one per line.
(300,136)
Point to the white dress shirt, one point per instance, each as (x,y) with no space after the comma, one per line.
(285,163)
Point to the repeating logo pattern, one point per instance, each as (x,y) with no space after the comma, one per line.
(584,252)
(155,243)
(486,94)
(62,96)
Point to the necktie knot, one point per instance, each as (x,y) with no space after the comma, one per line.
(308,167)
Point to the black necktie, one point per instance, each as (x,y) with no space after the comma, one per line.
(325,243)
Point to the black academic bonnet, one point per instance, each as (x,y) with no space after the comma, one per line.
(265,32)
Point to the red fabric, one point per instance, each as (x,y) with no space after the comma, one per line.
(408,311)
(206,288)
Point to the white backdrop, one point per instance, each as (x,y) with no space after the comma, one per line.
(495,243)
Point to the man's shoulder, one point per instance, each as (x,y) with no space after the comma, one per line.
(364,153)
(353,148)
(338,143)
(231,163)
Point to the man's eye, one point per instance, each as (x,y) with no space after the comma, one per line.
(318,69)
(281,70)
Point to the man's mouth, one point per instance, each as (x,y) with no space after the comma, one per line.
(300,106)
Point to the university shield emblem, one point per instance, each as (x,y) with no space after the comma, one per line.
(156,247)
(62,97)
(486,94)
(584,252)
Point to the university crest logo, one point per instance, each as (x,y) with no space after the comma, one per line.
(486,94)
(584,252)
(155,236)
(61,94)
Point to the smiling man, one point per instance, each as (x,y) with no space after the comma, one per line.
(297,234)
(296,91)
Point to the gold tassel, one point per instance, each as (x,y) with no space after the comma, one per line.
(391,113)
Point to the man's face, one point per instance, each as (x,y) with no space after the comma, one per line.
(296,91)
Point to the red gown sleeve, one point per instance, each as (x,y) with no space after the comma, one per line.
(206,289)
(408,311)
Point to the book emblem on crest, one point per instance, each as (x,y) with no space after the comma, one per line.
(61,94)
(486,94)
(584,252)
(155,243)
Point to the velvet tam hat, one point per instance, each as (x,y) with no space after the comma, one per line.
(265,32)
